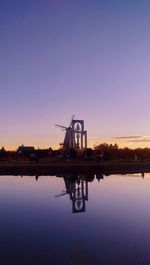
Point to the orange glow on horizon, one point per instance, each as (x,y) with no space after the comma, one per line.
(91,143)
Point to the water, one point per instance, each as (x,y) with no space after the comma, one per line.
(56,220)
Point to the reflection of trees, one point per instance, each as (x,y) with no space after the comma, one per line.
(77,188)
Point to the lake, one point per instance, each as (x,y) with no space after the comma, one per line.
(64,220)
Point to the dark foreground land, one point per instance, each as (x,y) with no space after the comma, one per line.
(71,168)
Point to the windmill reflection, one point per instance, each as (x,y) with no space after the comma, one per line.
(77,188)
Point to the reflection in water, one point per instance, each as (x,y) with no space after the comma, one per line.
(36,177)
(77,188)
(114,230)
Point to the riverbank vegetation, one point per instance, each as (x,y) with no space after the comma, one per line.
(104,158)
(101,152)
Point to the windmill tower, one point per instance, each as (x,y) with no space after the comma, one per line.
(75,135)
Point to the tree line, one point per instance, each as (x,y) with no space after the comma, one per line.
(100,152)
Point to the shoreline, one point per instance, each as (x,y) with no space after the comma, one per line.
(73,168)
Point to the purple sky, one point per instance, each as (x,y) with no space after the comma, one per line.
(88,58)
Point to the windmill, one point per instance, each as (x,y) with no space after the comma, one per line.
(68,139)
(75,136)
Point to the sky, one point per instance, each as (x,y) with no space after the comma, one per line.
(90,58)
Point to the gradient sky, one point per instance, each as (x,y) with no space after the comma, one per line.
(89,58)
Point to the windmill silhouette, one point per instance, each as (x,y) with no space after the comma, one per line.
(75,135)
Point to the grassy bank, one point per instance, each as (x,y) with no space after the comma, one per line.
(85,167)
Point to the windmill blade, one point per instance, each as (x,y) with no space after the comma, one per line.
(61,194)
(72,118)
(60,126)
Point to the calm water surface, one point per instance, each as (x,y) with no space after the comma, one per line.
(55,220)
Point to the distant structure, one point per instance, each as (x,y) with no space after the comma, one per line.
(75,135)
(25,150)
